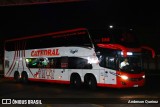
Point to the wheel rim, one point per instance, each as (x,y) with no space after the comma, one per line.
(89,82)
(24,78)
(16,77)
(75,82)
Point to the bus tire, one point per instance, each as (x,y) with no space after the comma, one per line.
(24,77)
(92,83)
(16,76)
(75,81)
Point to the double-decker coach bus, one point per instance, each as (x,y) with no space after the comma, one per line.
(75,57)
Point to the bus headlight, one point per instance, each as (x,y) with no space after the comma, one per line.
(143,76)
(124,77)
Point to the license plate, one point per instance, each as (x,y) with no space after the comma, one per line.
(135,85)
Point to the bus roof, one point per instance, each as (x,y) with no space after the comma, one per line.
(47,34)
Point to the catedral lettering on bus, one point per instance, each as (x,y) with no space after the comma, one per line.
(96,58)
(48,52)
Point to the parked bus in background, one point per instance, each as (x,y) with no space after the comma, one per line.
(75,57)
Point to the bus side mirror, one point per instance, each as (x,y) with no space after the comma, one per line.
(149,49)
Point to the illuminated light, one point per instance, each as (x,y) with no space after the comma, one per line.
(124,77)
(60,77)
(112,59)
(121,53)
(34,63)
(6,58)
(92,60)
(27,60)
(128,53)
(111,26)
(143,76)
(105,39)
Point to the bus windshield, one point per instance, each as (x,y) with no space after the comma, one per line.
(130,64)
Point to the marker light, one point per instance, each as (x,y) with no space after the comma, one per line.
(27,60)
(111,26)
(128,53)
(124,77)
(60,77)
(143,76)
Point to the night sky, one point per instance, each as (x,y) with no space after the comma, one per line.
(142,17)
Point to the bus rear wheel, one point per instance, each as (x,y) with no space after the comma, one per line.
(91,83)
(75,81)
(24,77)
(16,76)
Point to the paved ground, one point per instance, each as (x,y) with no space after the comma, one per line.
(58,95)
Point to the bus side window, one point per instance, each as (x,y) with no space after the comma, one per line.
(51,63)
(54,62)
(32,62)
(110,62)
(102,61)
(64,62)
(107,62)
(78,63)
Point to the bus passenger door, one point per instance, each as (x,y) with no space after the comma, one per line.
(110,76)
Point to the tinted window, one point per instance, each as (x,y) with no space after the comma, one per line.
(43,62)
(108,62)
(79,63)
(59,62)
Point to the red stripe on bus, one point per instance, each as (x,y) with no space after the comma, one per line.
(113,85)
(25,61)
(30,71)
(22,56)
(51,81)
(39,2)
(44,80)
(17,53)
(48,34)
(117,46)
(18,56)
(12,69)
(9,78)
